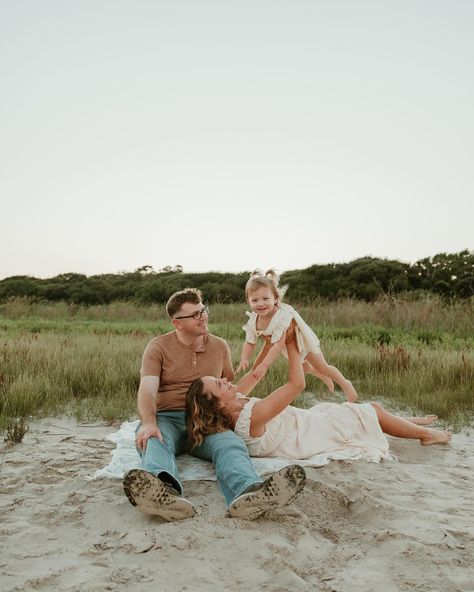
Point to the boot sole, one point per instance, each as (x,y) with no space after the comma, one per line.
(150,496)
(282,488)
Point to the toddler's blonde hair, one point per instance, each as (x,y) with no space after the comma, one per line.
(268,279)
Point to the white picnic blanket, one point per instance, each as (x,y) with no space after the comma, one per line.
(125,457)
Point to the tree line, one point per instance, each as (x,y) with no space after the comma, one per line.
(367,278)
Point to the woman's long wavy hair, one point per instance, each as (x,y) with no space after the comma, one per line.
(203,416)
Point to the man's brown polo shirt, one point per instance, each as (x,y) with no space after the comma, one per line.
(178,365)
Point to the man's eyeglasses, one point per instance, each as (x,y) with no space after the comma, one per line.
(197,316)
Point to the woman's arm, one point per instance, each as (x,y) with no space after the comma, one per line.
(247,383)
(273,404)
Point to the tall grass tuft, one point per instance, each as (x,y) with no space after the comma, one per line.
(15,431)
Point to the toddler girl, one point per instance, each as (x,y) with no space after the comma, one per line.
(270,318)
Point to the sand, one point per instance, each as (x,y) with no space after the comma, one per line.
(406,525)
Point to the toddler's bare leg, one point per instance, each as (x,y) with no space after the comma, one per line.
(318,362)
(403,428)
(310,370)
(421,421)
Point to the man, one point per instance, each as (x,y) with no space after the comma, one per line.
(170,363)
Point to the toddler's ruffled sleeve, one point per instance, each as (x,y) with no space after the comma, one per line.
(250,328)
(282,321)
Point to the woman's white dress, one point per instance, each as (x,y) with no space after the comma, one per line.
(305,338)
(340,431)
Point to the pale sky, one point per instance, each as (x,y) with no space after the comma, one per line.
(233,134)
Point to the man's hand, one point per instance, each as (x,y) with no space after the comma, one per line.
(144,433)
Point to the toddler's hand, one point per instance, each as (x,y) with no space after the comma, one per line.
(260,371)
(352,397)
(244,364)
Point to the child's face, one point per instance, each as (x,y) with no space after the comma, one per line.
(262,301)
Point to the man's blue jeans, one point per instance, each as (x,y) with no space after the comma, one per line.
(234,469)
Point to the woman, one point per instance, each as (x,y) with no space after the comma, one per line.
(271,427)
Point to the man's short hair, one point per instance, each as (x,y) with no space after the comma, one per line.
(177,300)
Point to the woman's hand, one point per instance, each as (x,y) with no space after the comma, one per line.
(291,332)
(259,372)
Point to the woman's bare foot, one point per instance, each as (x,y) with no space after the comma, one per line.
(435,437)
(423,421)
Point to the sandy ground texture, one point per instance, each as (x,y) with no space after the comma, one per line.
(357,527)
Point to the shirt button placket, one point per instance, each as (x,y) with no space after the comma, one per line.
(194,360)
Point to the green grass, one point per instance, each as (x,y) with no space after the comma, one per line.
(54,359)
(88,375)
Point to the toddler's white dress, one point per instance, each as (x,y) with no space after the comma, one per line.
(347,431)
(305,338)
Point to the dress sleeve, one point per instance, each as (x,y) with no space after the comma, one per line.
(282,322)
(250,328)
(268,442)
(242,425)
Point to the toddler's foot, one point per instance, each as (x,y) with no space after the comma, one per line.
(350,391)
(423,421)
(435,437)
(328,382)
